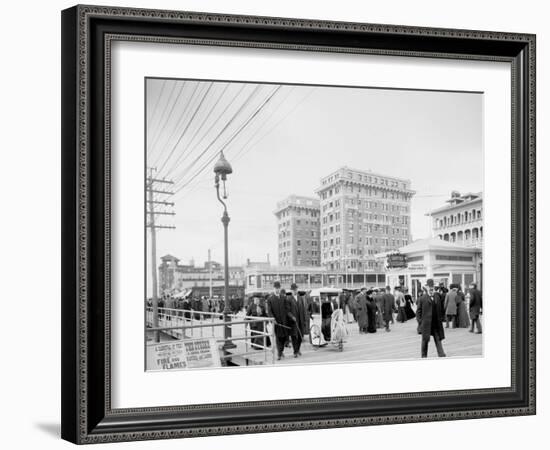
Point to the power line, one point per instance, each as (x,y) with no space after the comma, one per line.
(264,123)
(245,150)
(180,119)
(206,117)
(154,109)
(227,143)
(160,133)
(245,103)
(164,109)
(187,127)
(234,135)
(198,183)
(215,122)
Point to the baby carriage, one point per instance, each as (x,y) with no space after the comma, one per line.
(338,332)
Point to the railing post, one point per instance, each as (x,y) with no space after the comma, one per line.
(273,343)
(264,329)
(246,339)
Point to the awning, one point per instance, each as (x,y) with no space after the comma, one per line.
(183,294)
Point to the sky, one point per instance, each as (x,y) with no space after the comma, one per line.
(282,139)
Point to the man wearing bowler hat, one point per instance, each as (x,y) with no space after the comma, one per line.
(388,305)
(278,308)
(297,318)
(476,304)
(429,316)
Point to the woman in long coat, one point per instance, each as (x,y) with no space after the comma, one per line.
(371,312)
(362,312)
(409,312)
(327,308)
(305,311)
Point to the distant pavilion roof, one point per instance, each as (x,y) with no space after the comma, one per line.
(428,244)
(166,257)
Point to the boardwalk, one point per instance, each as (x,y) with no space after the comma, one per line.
(401,343)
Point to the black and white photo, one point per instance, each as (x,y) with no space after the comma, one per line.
(311,224)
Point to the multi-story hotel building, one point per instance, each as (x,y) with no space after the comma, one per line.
(298,231)
(461,220)
(362,214)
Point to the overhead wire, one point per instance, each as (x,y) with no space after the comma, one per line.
(245,150)
(182,116)
(161,117)
(205,120)
(161,132)
(213,141)
(262,125)
(187,126)
(214,123)
(155,107)
(248,121)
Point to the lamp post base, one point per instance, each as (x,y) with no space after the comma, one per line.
(228,344)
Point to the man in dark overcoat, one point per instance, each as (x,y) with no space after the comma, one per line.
(440,294)
(388,305)
(379,300)
(476,305)
(362,311)
(307,304)
(295,319)
(278,308)
(428,313)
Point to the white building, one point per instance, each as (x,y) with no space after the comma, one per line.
(461,220)
(442,261)
(362,214)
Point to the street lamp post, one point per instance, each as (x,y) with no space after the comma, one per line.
(222,168)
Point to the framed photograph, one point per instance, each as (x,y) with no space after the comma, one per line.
(283,224)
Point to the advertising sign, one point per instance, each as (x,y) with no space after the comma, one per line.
(396,261)
(188,354)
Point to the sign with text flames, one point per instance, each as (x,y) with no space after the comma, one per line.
(396,261)
(187,354)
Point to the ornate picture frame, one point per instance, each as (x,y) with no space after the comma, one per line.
(87,35)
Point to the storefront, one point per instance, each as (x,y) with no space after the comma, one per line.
(442,261)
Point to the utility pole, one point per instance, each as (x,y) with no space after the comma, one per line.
(151,189)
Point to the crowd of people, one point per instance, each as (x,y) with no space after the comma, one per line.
(374,309)
(435,308)
(193,306)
